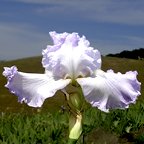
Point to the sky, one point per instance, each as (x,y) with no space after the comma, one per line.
(111,26)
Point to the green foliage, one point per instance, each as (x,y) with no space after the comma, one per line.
(43,128)
(49,125)
(38,128)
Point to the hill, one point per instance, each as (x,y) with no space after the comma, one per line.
(134,54)
(8,102)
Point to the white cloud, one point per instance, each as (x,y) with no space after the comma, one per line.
(19,41)
(134,39)
(107,47)
(112,11)
(120,44)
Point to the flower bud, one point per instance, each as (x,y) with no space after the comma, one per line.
(75,126)
(75,97)
(75,101)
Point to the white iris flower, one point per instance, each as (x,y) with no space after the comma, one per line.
(69,61)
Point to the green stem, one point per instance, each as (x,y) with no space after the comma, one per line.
(75,100)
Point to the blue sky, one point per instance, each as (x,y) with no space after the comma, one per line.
(111,26)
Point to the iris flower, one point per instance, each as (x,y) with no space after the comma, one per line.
(71,60)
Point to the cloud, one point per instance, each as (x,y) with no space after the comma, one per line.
(107,47)
(18,41)
(121,43)
(135,39)
(110,11)
(109,25)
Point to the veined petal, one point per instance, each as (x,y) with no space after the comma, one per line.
(111,90)
(70,56)
(33,89)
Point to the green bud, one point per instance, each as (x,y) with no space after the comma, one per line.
(76,101)
(75,97)
(75,126)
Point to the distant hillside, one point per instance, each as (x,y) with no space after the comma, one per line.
(134,54)
(8,102)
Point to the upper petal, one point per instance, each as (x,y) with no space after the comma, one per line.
(70,56)
(33,89)
(58,38)
(111,90)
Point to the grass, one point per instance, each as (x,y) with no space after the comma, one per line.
(22,124)
(34,129)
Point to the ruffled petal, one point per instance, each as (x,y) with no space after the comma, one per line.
(111,90)
(58,39)
(70,56)
(33,89)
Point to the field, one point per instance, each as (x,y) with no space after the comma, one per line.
(20,124)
